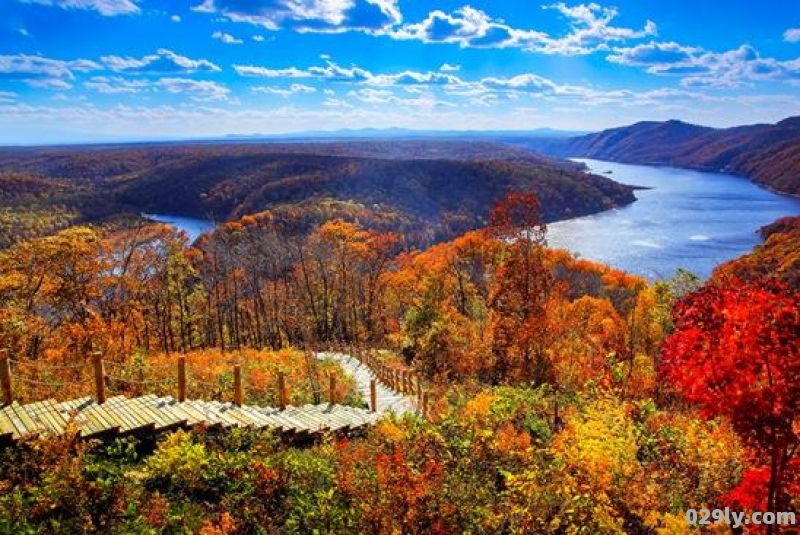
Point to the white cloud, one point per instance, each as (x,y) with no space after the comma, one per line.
(696,66)
(309,15)
(42,72)
(162,62)
(201,91)
(258,38)
(175,18)
(447,67)
(226,38)
(107,8)
(590,30)
(331,71)
(294,89)
(116,85)
(425,101)
(792,35)
(334,72)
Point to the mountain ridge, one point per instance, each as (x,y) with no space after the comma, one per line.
(767,154)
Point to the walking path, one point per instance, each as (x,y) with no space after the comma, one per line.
(388,400)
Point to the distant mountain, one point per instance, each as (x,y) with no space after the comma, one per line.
(403,134)
(768,154)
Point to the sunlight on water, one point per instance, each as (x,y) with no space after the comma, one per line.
(688,219)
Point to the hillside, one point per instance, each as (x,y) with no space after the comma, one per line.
(426,190)
(765,153)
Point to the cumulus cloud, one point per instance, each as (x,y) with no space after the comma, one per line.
(426,100)
(107,8)
(201,91)
(792,35)
(111,85)
(590,29)
(43,72)
(162,62)
(653,55)
(309,15)
(697,66)
(294,89)
(447,67)
(175,18)
(226,38)
(331,71)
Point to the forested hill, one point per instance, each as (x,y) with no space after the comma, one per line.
(428,191)
(768,154)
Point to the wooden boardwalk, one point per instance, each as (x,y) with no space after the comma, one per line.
(128,416)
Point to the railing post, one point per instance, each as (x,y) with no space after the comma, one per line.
(282,390)
(332,389)
(419,390)
(237,385)
(99,377)
(5,377)
(181,378)
(373,396)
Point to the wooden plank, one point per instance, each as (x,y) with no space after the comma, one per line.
(234,412)
(198,416)
(143,412)
(29,425)
(262,419)
(130,421)
(37,411)
(310,424)
(56,418)
(122,404)
(216,407)
(10,422)
(161,420)
(212,415)
(276,416)
(103,417)
(102,421)
(171,412)
(334,420)
(286,422)
(166,416)
(180,411)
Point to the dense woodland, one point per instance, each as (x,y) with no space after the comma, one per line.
(569,397)
(768,154)
(424,191)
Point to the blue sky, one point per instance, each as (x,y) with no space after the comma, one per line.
(84,70)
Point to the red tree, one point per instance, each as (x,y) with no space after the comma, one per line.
(736,352)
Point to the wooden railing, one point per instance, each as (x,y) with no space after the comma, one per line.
(401,379)
(101,379)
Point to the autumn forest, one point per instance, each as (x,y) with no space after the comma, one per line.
(566,396)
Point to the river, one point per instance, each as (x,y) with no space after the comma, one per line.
(193,227)
(689,220)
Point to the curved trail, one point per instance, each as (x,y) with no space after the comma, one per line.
(388,400)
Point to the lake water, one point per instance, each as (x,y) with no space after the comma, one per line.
(192,226)
(688,219)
